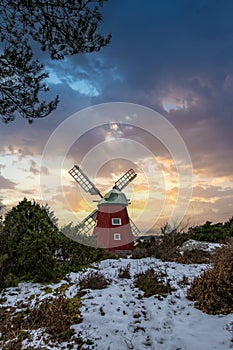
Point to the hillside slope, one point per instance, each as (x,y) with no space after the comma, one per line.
(118,317)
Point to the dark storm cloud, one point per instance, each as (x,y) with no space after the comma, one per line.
(163,38)
(185,45)
(157,49)
(163,41)
(163,47)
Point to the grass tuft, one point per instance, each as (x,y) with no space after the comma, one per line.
(94,280)
(151,283)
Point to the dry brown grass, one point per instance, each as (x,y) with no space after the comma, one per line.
(55,316)
(94,280)
(195,256)
(124,272)
(151,283)
(213,290)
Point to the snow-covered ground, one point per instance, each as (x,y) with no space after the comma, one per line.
(207,246)
(120,318)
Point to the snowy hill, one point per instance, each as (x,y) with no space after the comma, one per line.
(119,317)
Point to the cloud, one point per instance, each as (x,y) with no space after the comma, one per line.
(213,193)
(6,184)
(36,170)
(2,166)
(33,168)
(176,59)
(186,54)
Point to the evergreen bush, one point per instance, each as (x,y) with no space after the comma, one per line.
(33,248)
(28,244)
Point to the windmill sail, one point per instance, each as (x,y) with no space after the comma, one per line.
(88,223)
(125,179)
(102,219)
(134,228)
(82,179)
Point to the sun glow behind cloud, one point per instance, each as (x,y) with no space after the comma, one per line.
(147,193)
(153,193)
(189,79)
(156,182)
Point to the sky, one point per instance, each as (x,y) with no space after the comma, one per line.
(173,58)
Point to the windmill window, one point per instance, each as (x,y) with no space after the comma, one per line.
(116,221)
(117,236)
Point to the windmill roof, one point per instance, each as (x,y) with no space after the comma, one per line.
(114,197)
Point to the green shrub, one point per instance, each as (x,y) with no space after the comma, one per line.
(28,241)
(140,252)
(33,248)
(213,290)
(209,232)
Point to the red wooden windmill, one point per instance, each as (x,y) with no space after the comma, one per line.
(113,228)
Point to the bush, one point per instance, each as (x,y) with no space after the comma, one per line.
(151,283)
(74,254)
(166,251)
(124,272)
(54,316)
(33,248)
(195,256)
(213,290)
(28,242)
(209,232)
(140,252)
(94,280)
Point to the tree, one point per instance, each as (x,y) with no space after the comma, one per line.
(33,248)
(211,232)
(28,244)
(60,28)
(77,249)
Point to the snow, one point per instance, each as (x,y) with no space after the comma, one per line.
(120,318)
(192,244)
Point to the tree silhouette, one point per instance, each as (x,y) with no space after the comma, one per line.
(60,28)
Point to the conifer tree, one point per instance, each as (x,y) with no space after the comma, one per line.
(28,242)
(33,248)
(59,28)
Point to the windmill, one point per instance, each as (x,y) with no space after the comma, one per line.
(110,223)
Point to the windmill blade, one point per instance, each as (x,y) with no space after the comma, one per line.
(83,180)
(125,179)
(88,223)
(134,228)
